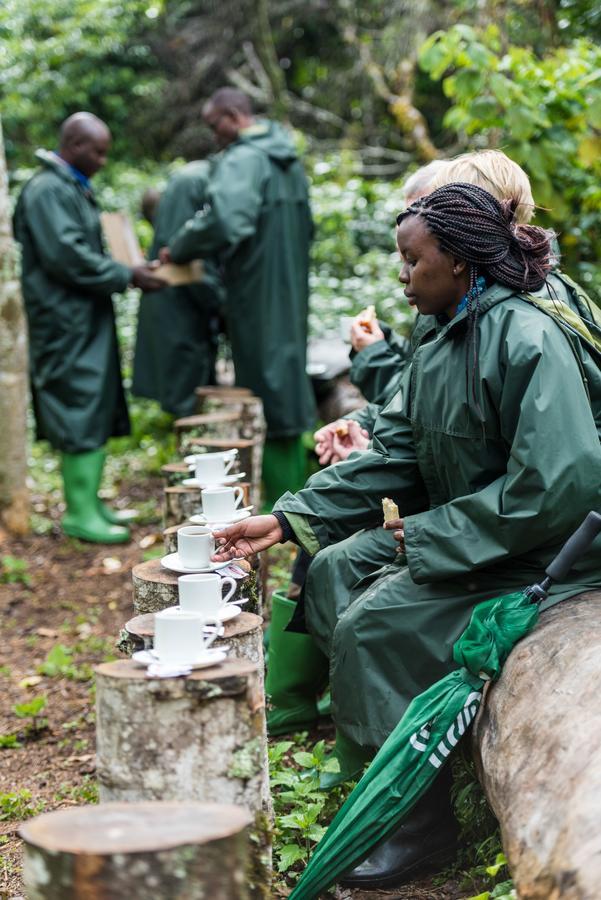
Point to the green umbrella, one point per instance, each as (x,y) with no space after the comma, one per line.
(435,721)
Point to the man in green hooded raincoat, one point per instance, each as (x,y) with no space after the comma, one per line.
(176,341)
(257,220)
(67,284)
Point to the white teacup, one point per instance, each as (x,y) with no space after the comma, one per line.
(202,594)
(179,637)
(195,546)
(344,325)
(219,504)
(211,468)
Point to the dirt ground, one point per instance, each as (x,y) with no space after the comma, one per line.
(79,596)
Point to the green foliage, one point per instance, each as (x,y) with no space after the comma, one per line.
(17,806)
(9,741)
(544,112)
(302,810)
(14,571)
(59,664)
(60,56)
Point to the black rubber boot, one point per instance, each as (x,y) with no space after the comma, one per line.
(426,840)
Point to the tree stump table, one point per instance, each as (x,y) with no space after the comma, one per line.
(224,425)
(243,635)
(174,473)
(199,737)
(537,741)
(179,503)
(180,851)
(213,398)
(155,588)
(250,458)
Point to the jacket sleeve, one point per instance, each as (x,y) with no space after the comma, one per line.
(234,201)
(366,416)
(63,249)
(377,368)
(553,475)
(343,498)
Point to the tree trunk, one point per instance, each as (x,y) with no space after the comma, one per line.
(211,398)
(224,425)
(537,743)
(179,503)
(155,588)
(243,635)
(181,851)
(199,737)
(14,500)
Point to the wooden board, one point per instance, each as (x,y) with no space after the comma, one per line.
(124,247)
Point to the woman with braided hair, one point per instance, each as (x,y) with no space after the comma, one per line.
(492,454)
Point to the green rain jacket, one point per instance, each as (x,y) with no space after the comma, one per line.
(67,284)
(488,495)
(258,221)
(177,335)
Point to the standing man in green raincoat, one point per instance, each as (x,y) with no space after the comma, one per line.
(176,342)
(257,220)
(67,283)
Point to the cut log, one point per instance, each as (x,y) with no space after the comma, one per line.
(223,425)
(174,473)
(138,851)
(212,398)
(179,503)
(200,737)
(243,635)
(155,588)
(250,459)
(247,409)
(537,743)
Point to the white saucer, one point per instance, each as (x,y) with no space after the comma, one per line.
(237,517)
(209,657)
(227,479)
(191,459)
(173,563)
(226,614)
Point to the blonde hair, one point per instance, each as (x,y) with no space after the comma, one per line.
(420,182)
(493,171)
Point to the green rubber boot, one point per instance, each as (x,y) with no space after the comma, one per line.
(81,478)
(296,673)
(116,516)
(351,759)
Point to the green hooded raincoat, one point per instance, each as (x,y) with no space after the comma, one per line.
(67,285)
(176,342)
(258,221)
(488,498)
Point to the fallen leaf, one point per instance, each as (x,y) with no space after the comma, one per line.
(47,632)
(111,564)
(30,681)
(147,541)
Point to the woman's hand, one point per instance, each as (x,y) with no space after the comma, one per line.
(247,537)
(362,338)
(335,441)
(398,526)
(356,438)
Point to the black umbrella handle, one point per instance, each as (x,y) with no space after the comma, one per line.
(574,547)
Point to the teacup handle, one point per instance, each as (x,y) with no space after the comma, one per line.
(228,463)
(228,580)
(209,638)
(239,494)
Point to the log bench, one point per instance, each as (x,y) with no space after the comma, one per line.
(138,851)
(537,744)
(199,737)
(155,588)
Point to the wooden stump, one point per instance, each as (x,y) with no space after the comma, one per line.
(155,588)
(139,851)
(179,503)
(537,743)
(250,459)
(174,473)
(223,425)
(246,411)
(243,635)
(200,737)
(212,398)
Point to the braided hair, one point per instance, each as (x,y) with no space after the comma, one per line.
(471,224)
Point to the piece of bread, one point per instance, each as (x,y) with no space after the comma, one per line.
(367,318)
(391,510)
(342,430)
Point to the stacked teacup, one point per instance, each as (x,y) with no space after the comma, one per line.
(220,496)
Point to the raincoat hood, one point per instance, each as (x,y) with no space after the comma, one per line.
(272,139)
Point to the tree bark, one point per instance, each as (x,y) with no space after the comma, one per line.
(183,851)
(224,425)
(155,588)
(200,737)
(537,744)
(14,499)
(243,635)
(179,503)
(210,398)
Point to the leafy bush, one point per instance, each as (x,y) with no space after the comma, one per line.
(14,571)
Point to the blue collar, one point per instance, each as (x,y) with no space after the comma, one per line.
(79,176)
(479,288)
